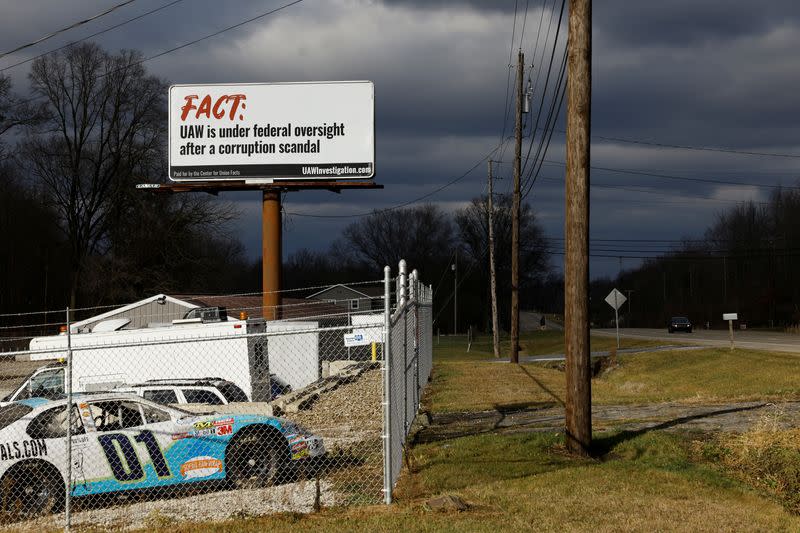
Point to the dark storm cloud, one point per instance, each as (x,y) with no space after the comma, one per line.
(712,73)
(689,23)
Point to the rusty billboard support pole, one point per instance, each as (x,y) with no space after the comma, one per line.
(271,249)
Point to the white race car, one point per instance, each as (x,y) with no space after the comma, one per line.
(123,442)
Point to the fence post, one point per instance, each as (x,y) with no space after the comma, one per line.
(387,387)
(405,372)
(68,384)
(416,299)
(403,284)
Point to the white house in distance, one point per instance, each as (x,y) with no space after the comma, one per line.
(364,298)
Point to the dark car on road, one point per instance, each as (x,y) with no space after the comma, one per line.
(679,323)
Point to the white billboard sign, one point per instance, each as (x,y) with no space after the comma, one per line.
(308,131)
(730,316)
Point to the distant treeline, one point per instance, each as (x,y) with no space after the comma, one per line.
(747,262)
(75,232)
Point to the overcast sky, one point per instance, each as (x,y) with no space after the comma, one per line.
(715,73)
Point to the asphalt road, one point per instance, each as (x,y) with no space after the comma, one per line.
(758,340)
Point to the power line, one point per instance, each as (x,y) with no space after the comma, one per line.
(690,147)
(659,193)
(190,43)
(683,178)
(524,22)
(101,32)
(214,34)
(506,109)
(550,120)
(67,28)
(552,117)
(404,204)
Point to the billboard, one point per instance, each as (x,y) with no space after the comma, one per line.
(307,131)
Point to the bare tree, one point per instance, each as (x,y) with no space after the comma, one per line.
(105,123)
(15,112)
(473,231)
(422,235)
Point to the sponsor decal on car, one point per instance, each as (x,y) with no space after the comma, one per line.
(298,445)
(216,430)
(300,454)
(23,450)
(202,466)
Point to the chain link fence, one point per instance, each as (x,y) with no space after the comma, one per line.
(194,408)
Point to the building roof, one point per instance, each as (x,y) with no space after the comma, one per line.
(291,308)
(77,325)
(366,291)
(253,306)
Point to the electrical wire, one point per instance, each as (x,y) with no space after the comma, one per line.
(594,184)
(67,28)
(684,178)
(180,47)
(697,148)
(550,121)
(101,32)
(404,204)
(506,108)
(214,34)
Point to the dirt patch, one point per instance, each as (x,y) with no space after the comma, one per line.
(729,417)
(13,372)
(351,413)
(297,497)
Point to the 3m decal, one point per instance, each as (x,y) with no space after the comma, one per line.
(123,460)
(202,466)
(23,449)
(224,430)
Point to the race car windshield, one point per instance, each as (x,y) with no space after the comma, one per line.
(11,413)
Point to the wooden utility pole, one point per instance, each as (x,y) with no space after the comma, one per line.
(515,217)
(493,284)
(455,293)
(576,258)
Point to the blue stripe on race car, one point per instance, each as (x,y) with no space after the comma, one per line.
(190,458)
(34,402)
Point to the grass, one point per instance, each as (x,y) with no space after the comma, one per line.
(536,343)
(466,382)
(767,456)
(649,481)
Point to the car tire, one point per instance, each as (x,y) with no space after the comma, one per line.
(689,330)
(256,459)
(31,489)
